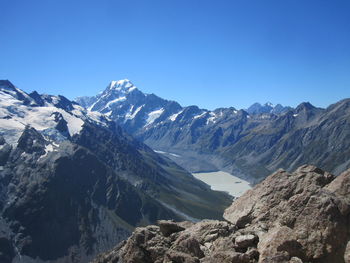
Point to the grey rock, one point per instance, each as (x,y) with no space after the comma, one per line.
(347,253)
(169,227)
(289,218)
(245,241)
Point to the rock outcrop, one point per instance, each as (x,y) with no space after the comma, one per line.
(289,217)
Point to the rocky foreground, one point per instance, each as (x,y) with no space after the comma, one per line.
(289,217)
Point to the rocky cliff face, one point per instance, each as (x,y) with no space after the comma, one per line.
(290,217)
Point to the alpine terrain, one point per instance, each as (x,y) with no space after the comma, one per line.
(249,143)
(288,218)
(74,184)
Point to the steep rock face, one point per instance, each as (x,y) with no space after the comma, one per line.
(73,183)
(304,214)
(70,195)
(290,217)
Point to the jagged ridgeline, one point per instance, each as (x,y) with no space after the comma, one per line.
(249,143)
(74,184)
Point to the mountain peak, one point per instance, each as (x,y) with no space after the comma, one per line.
(116,92)
(268,107)
(269,104)
(121,85)
(305,106)
(5,83)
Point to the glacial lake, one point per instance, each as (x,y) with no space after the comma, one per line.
(223,181)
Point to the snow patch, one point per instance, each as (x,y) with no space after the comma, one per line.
(199,116)
(153,115)
(14,116)
(49,148)
(11,130)
(75,125)
(97,117)
(131,89)
(130,116)
(264,116)
(114,101)
(92,105)
(212,118)
(174,116)
(172,154)
(55,100)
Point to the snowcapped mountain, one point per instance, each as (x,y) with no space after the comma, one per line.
(248,143)
(190,133)
(73,174)
(268,107)
(124,103)
(73,183)
(54,116)
(136,111)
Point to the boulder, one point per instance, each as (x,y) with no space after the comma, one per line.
(168,227)
(245,241)
(288,218)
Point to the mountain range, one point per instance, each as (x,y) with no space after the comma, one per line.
(73,183)
(249,143)
(77,177)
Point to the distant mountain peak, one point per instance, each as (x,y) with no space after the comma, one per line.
(124,85)
(4,83)
(305,106)
(268,107)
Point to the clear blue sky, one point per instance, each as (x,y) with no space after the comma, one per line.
(208,53)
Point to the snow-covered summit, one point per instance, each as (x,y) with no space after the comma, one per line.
(48,114)
(123,85)
(122,102)
(268,107)
(115,92)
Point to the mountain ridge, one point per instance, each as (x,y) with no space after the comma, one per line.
(249,145)
(78,177)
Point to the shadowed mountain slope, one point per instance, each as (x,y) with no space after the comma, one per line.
(73,183)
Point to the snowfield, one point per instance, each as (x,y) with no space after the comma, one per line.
(18,110)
